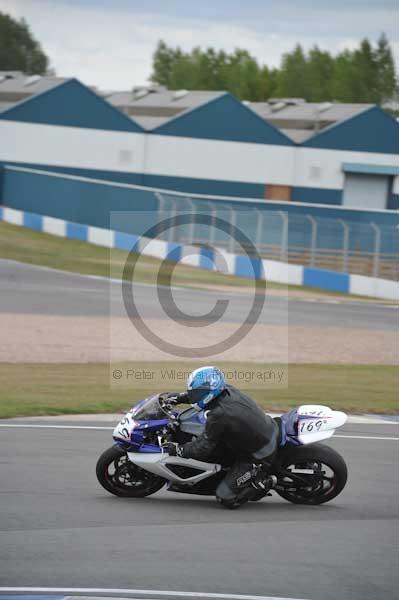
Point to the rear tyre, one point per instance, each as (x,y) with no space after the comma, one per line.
(325,478)
(119,476)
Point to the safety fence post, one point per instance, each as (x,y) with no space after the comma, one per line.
(313,240)
(233,223)
(377,249)
(284,236)
(259,231)
(345,245)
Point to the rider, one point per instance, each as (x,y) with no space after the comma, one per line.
(235,423)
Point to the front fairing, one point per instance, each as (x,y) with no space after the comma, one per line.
(136,431)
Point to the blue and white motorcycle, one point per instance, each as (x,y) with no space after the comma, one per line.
(137,465)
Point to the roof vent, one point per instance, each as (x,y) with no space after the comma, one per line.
(156,89)
(32,79)
(278,106)
(324,106)
(140,93)
(178,94)
(286,101)
(294,101)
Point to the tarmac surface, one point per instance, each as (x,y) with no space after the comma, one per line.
(59,528)
(29,289)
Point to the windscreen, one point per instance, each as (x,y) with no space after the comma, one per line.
(148,410)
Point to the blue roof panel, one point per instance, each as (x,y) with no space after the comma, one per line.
(224,118)
(370,131)
(70,104)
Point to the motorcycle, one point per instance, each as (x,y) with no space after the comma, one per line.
(137,465)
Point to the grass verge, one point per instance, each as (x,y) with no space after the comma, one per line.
(55,389)
(33,247)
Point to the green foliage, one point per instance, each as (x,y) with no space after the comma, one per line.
(19,51)
(365,74)
(386,77)
(292,76)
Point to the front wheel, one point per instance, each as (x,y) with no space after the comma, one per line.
(119,476)
(312,474)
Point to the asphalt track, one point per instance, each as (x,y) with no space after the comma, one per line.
(58,528)
(37,290)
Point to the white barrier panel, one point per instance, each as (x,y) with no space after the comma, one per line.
(280,272)
(156,248)
(372,286)
(10,215)
(101,237)
(54,226)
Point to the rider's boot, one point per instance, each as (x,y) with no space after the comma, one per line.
(262,488)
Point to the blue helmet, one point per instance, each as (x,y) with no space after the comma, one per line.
(205,384)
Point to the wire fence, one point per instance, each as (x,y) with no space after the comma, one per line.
(364,248)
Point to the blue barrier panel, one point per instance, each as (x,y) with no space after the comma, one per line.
(1,213)
(33,221)
(328,280)
(174,252)
(246,266)
(207,260)
(126,241)
(75,231)
(78,201)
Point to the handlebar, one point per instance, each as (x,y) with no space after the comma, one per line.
(168,401)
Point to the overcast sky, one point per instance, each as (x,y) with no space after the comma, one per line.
(109,43)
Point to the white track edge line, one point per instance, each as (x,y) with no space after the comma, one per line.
(140,592)
(95,427)
(366,437)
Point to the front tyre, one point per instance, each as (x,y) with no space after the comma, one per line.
(119,476)
(311,475)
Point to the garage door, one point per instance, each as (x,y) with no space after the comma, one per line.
(363,190)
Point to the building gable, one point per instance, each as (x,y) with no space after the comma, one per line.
(224,118)
(373,130)
(70,104)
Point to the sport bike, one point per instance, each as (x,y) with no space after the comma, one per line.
(137,465)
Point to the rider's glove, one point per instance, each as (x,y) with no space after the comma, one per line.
(174,449)
(182,398)
(176,398)
(173,398)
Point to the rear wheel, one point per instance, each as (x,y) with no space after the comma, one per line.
(119,476)
(311,474)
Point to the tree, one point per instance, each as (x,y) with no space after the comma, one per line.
(365,74)
(184,74)
(343,86)
(19,50)
(319,75)
(163,62)
(243,76)
(292,78)
(386,77)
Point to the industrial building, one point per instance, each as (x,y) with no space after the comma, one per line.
(329,155)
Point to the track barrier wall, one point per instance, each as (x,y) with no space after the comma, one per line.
(206,257)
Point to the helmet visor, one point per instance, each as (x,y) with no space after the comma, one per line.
(200,393)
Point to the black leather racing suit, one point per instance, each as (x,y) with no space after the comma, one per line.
(236,424)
